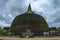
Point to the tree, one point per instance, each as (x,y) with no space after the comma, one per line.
(1,32)
(0,27)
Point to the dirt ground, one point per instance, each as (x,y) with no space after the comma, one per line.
(40,38)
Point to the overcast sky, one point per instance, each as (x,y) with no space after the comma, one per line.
(49,9)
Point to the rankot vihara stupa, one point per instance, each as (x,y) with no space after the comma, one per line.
(29,24)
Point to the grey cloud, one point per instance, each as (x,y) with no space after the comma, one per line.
(13,7)
(50,10)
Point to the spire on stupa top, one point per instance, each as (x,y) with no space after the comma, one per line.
(29,8)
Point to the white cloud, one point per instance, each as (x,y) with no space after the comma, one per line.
(46,8)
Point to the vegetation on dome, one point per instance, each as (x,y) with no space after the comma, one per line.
(31,20)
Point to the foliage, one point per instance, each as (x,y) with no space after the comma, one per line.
(0,27)
(1,32)
(29,21)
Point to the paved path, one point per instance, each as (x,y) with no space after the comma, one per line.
(12,38)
